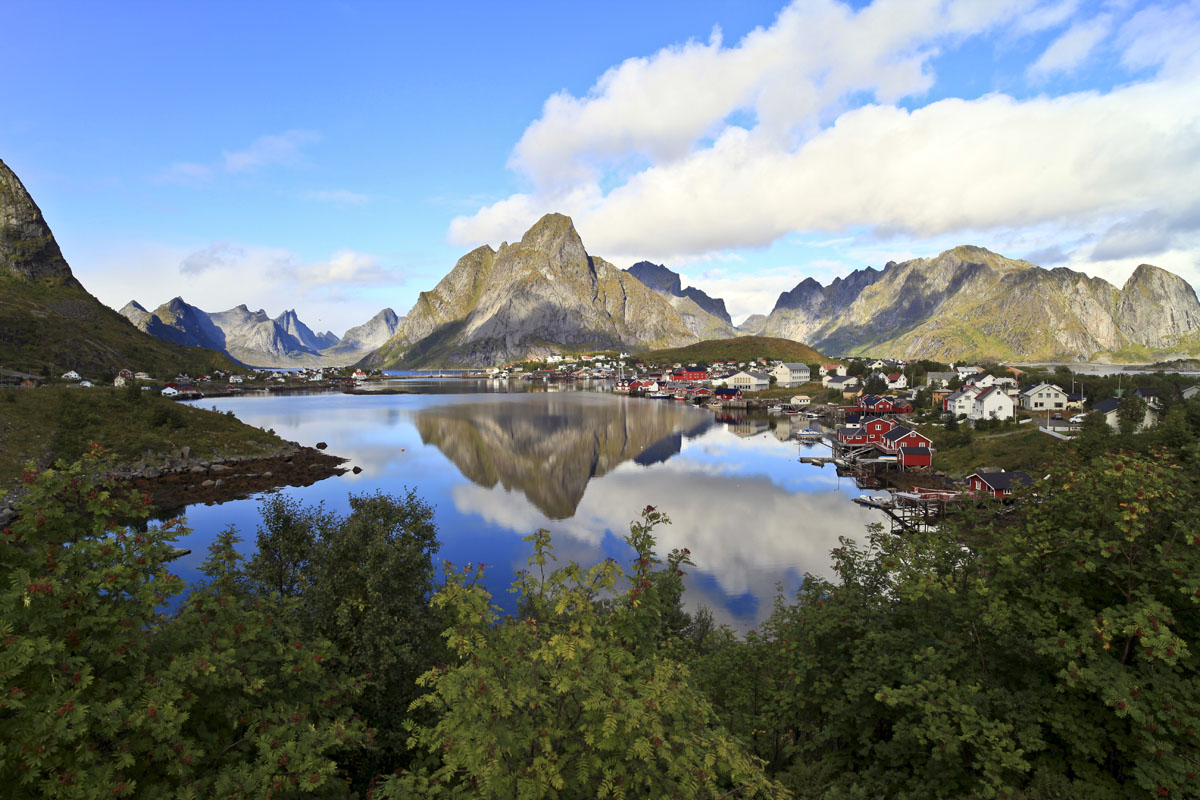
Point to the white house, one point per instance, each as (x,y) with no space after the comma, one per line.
(962,402)
(748,381)
(897,381)
(71,376)
(966,372)
(170,391)
(1044,397)
(119,381)
(1191,392)
(800,400)
(936,379)
(991,403)
(554,359)
(980,380)
(832,369)
(790,373)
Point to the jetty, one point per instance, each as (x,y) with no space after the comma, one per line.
(915,509)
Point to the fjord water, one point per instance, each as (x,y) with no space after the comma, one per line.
(497,465)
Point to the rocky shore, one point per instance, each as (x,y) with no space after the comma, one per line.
(180,479)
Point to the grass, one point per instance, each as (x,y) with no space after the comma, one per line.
(46,424)
(1010,448)
(738,348)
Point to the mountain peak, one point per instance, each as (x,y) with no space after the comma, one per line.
(552,231)
(27,247)
(134,305)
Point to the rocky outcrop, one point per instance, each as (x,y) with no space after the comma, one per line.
(667,282)
(28,249)
(372,333)
(971,303)
(753,325)
(544,294)
(290,323)
(1157,309)
(703,315)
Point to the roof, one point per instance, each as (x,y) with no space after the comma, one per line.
(759,375)
(794,365)
(1003,480)
(1147,391)
(915,451)
(894,376)
(991,390)
(1106,406)
(1042,387)
(899,432)
(843,379)
(727,390)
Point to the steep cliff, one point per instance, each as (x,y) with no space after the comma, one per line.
(539,296)
(49,323)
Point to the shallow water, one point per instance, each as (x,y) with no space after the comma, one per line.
(498,465)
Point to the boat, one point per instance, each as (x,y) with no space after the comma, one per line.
(809,433)
(659,395)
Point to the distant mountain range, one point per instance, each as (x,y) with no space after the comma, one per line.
(255,339)
(49,323)
(970,303)
(547,294)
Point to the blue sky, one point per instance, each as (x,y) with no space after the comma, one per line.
(339,157)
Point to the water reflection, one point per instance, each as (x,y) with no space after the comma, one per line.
(549,446)
(497,467)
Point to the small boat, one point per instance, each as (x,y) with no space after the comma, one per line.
(659,395)
(809,433)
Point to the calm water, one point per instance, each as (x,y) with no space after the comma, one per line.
(497,466)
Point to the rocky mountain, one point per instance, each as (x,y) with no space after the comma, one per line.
(251,337)
(753,325)
(49,323)
(705,316)
(371,335)
(971,303)
(538,296)
(292,326)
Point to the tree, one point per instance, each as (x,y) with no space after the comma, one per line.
(1095,436)
(1050,651)
(105,696)
(1131,414)
(875,384)
(577,699)
(363,581)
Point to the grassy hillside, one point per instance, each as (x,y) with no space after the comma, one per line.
(49,326)
(739,348)
(60,422)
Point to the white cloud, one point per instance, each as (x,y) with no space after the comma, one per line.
(1069,50)
(704,148)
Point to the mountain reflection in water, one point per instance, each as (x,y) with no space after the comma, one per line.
(498,465)
(550,445)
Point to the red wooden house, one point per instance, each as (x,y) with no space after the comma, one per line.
(915,457)
(903,436)
(997,484)
(690,374)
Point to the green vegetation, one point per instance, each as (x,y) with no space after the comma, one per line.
(740,348)
(59,422)
(55,325)
(961,451)
(1041,650)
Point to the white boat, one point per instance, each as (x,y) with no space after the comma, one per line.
(809,433)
